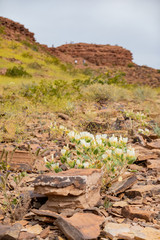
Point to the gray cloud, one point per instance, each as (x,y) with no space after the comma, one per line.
(133,24)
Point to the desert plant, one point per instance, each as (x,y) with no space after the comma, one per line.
(27,55)
(112,155)
(12,199)
(156,130)
(34,47)
(130,65)
(34,65)
(2,30)
(17,72)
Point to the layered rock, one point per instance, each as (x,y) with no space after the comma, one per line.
(15,31)
(100,55)
(69,190)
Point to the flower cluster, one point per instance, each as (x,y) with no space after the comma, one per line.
(144,131)
(139,117)
(100,151)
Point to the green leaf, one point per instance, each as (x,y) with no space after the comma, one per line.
(96,151)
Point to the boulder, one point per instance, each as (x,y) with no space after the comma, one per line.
(69,190)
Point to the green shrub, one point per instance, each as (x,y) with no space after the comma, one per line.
(2,30)
(34,65)
(143,93)
(52,60)
(17,72)
(158,70)
(45,89)
(156,130)
(34,47)
(130,65)
(27,55)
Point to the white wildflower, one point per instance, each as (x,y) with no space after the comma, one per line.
(84,143)
(55,165)
(45,159)
(104,136)
(77,136)
(130,152)
(62,127)
(71,134)
(86,164)
(109,152)
(86,135)
(104,156)
(113,139)
(69,160)
(63,151)
(123,140)
(99,141)
(118,151)
(78,162)
(98,136)
(140,130)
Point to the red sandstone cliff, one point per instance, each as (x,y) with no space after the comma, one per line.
(15,31)
(96,56)
(100,55)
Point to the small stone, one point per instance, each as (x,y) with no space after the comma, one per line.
(36,229)
(23,222)
(129,232)
(45,232)
(130,212)
(120,187)
(120,204)
(154,144)
(26,236)
(10,232)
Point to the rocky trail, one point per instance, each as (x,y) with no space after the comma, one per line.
(71,204)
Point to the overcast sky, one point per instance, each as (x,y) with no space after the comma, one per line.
(132,24)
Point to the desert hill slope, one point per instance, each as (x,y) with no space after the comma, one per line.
(97,57)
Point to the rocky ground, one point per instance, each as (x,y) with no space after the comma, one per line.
(71,204)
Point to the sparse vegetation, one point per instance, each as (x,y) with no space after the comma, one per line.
(17,72)
(109,154)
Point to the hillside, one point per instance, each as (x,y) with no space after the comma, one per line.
(97,57)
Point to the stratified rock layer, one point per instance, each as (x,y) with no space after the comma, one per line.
(15,31)
(75,188)
(100,55)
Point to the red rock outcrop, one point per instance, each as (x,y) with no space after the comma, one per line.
(15,31)
(104,57)
(100,55)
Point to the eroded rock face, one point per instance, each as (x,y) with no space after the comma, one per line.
(10,27)
(100,55)
(75,188)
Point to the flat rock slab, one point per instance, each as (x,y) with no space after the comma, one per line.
(20,160)
(75,188)
(141,191)
(153,163)
(131,212)
(82,226)
(10,232)
(129,232)
(45,213)
(154,145)
(119,187)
